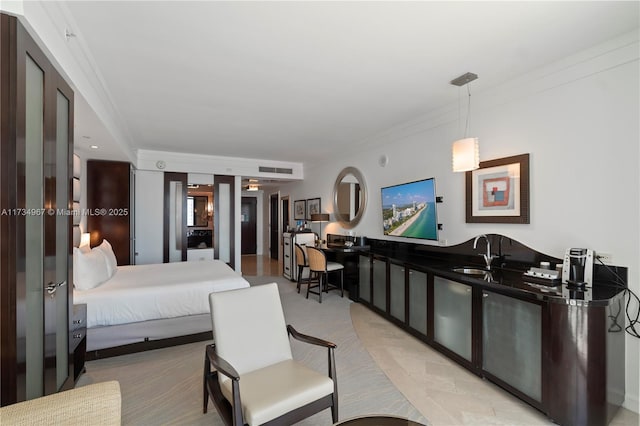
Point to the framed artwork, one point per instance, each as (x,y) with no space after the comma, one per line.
(313,207)
(498,192)
(300,209)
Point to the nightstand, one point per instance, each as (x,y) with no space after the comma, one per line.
(78,339)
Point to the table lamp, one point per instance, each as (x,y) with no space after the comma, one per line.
(320,217)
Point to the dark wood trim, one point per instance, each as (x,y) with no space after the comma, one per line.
(108,199)
(148,345)
(8,99)
(523,159)
(168,178)
(407,305)
(430,307)
(230,180)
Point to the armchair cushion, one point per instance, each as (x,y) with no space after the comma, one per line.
(278,389)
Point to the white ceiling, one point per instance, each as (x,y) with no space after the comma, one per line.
(297,81)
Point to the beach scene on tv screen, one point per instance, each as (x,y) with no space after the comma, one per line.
(409,210)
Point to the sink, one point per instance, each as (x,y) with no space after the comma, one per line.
(470,270)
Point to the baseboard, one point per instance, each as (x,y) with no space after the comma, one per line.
(632,403)
(147,346)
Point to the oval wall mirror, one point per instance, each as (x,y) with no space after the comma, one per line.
(349,197)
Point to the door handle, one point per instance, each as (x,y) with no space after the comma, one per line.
(52,287)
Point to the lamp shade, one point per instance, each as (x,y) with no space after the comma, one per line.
(466,155)
(85,239)
(320,217)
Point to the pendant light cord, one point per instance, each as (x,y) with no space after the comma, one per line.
(466,126)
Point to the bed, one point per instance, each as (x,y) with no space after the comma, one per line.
(152,303)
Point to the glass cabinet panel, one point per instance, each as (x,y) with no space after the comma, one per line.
(34,228)
(380,284)
(396,291)
(452,316)
(418,301)
(62,239)
(364,267)
(511,342)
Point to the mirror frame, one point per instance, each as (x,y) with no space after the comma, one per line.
(345,222)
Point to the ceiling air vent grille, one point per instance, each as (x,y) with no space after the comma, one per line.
(264,169)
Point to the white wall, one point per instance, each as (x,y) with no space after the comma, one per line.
(578,120)
(149,217)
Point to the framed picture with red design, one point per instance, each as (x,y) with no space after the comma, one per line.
(498,191)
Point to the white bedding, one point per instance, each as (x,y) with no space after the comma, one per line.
(148,292)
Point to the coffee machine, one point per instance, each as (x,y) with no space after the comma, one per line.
(577,267)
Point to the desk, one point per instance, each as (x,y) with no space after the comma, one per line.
(348,256)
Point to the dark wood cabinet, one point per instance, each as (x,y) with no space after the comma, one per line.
(109,204)
(564,357)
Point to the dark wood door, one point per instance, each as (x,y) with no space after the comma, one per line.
(109,206)
(285,214)
(274,232)
(249,213)
(35,237)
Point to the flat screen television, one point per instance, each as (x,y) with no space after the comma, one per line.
(409,210)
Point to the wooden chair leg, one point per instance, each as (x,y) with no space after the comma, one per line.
(207,371)
(309,284)
(341,283)
(299,277)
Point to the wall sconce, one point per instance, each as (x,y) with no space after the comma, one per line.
(466,151)
(85,239)
(320,217)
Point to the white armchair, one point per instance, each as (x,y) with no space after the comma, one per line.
(255,380)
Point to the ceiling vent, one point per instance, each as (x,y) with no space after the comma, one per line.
(264,169)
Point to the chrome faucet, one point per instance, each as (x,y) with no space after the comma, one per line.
(488,258)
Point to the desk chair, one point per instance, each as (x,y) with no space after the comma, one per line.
(319,267)
(255,380)
(303,265)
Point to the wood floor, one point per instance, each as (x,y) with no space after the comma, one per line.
(258,265)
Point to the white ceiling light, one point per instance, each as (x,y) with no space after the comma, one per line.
(252,188)
(466,151)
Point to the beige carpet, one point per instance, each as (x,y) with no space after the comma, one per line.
(165,386)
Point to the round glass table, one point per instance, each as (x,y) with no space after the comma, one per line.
(378,421)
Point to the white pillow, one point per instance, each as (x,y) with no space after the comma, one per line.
(89,268)
(110,257)
(83,249)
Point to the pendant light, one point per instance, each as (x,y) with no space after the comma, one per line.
(466,151)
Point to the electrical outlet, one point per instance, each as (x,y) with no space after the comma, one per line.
(604,257)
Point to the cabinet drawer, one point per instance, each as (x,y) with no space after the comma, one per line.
(78,328)
(76,337)
(79,317)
